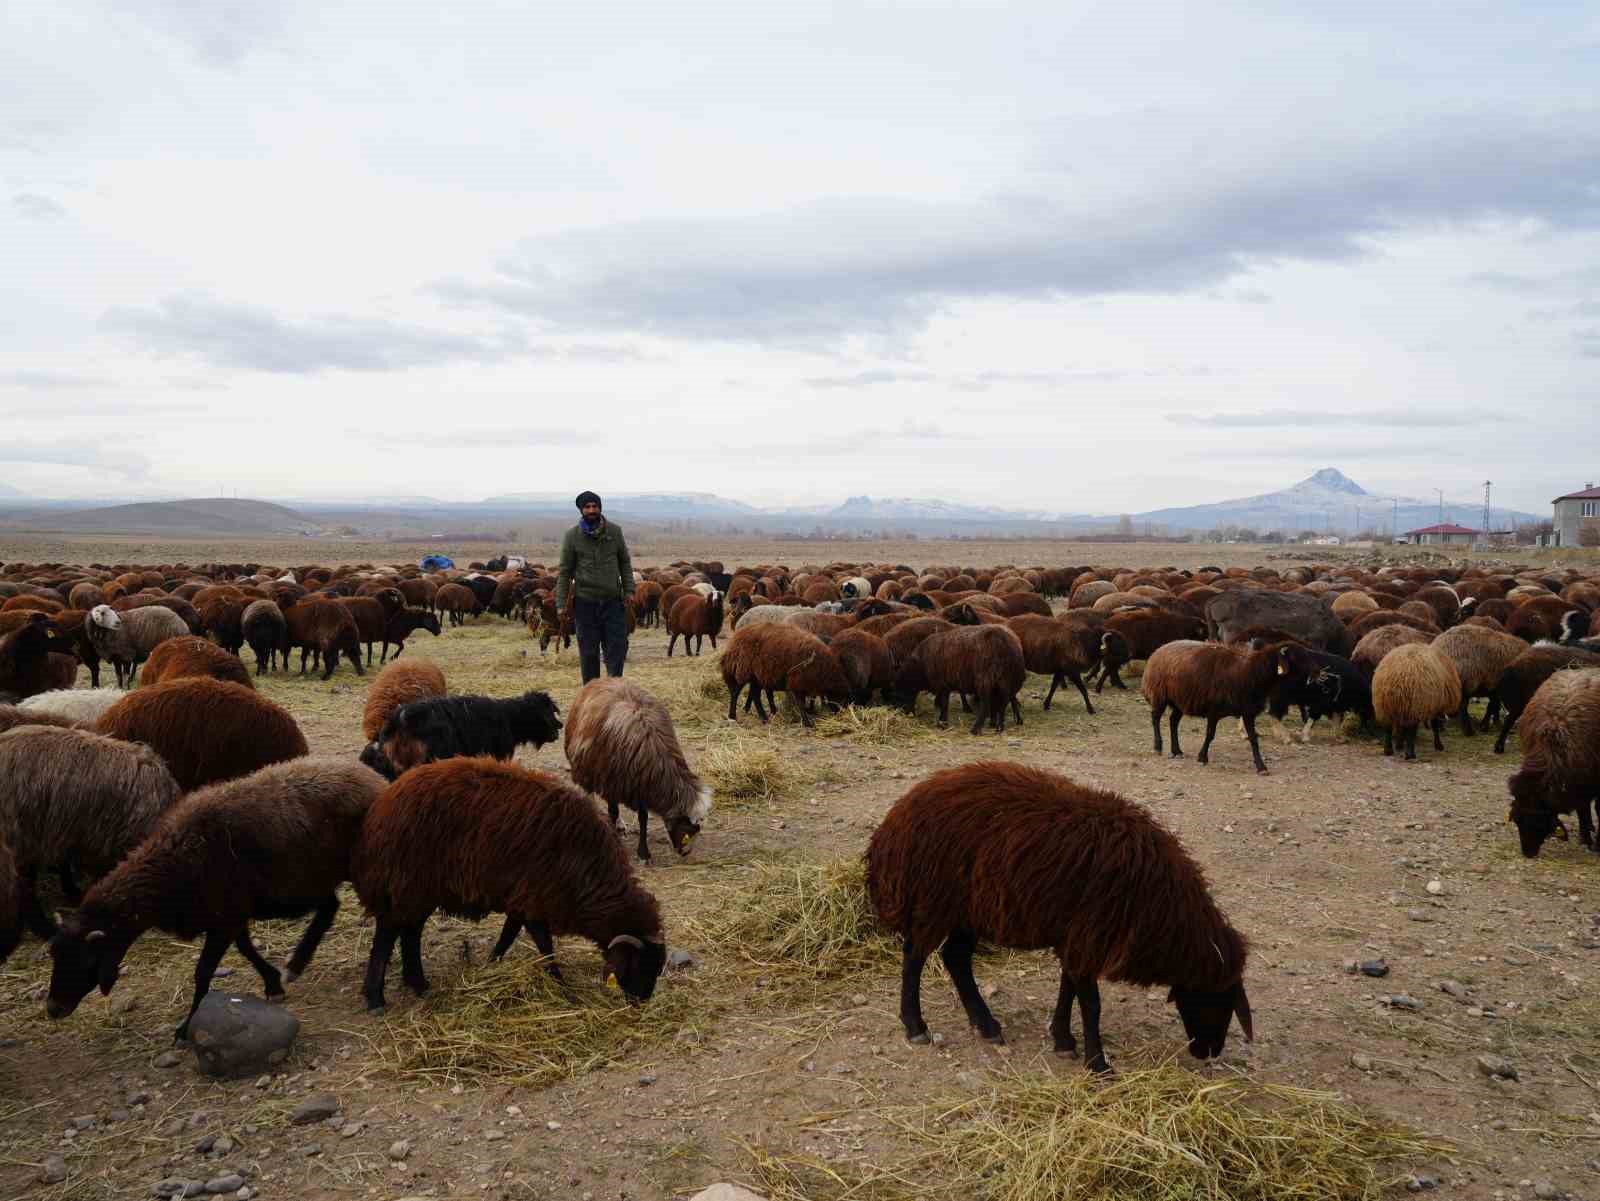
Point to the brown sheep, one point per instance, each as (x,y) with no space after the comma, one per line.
(1521,680)
(621,744)
(371,617)
(866,662)
(1059,650)
(1539,618)
(12,716)
(1414,685)
(206,730)
(10,917)
(1560,773)
(477,836)
(1207,679)
(275,844)
(1480,657)
(1144,631)
(323,629)
(985,662)
(457,602)
(1377,643)
(399,684)
(263,626)
(770,657)
(28,666)
(178,658)
(1017,857)
(696,617)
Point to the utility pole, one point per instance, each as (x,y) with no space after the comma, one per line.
(1394,520)
(1440,491)
(1487,484)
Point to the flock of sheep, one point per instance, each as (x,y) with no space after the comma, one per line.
(191,804)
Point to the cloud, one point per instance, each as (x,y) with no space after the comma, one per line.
(909,434)
(878,266)
(105,455)
(252,339)
(1588,341)
(868,379)
(221,33)
(47,381)
(37,208)
(1290,418)
(503,438)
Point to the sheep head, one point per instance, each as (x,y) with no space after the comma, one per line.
(633,965)
(1206,1016)
(86,954)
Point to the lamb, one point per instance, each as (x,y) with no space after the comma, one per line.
(127,638)
(275,844)
(206,730)
(696,617)
(1058,650)
(473,836)
(81,706)
(401,624)
(770,657)
(1320,685)
(1205,679)
(1018,857)
(28,666)
(399,684)
(323,629)
(181,658)
(1480,657)
(1560,736)
(263,626)
(1414,685)
(1520,681)
(445,727)
(621,744)
(984,661)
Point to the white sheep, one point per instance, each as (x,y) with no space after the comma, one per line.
(127,638)
(82,705)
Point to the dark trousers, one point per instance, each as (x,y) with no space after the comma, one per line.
(600,626)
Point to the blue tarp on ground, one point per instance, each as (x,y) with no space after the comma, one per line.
(436,562)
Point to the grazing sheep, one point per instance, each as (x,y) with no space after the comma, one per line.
(474,836)
(402,624)
(984,661)
(206,730)
(1144,631)
(1308,617)
(1017,857)
(1560,736)
(445,727)
(275,844)
(81,706)
(28,666)
(770,657)
(181,658)
(1480,657)
(1205,679)
(263,626)
(399,684)
(371,618)
(323,629)
(1443,600)
(761,614)
(1319,685)
(457,602)
(127,638)
(72,801)
(1414,685)
(1521,680)
(1058,650)
(866,662)
(1540,617)
(697,617)
(621,745)
(1364,625)
(1369,652)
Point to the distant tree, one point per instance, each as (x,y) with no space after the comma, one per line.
(1528,535)
(1125,525)
(1589,535)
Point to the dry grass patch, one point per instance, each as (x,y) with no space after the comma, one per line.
(514,1023)
(879,726)
(1162,1133)
(746,771)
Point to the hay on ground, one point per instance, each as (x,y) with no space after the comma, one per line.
(744,771)
(883,725)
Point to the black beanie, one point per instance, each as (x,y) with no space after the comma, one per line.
(586,497)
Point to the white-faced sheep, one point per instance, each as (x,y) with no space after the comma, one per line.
(127,638)
(1414,686)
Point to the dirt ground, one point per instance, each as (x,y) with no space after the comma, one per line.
(1339,854)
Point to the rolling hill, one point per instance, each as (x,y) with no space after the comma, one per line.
(209,515)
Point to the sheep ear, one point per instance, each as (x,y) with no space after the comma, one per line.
(1241,1010)
(626,940)
(94,936)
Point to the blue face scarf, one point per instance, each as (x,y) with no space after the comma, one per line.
(592,530)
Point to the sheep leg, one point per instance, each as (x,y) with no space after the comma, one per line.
(1016,708)
(1585,827)
(1094,1054)
(1255,743)
(733,700)
(799,702)
(911,995)
(1061,1020)
(1204,757)
(1438,730)
(540,933)
(69,883)
(508,935)
(216,946)
(1172,728)
(1156,711)
(1409,737)
(32,913)
(644,818)
(672,640)
(411,958)
(1388,740)
(1464,716)
(755,695)
(383,940)
(1506,724)
(1492,710)
(271,978)
(983,712)
(1055,682)
(1082,691)
(321,922)
(957,956)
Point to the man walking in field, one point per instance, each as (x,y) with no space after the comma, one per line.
(595,576)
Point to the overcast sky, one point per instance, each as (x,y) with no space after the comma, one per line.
(1093,257)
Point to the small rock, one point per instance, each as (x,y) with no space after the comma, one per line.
(167,1059)
(726,1192)
(1401,1000)
(1374,967)
(264,1081)
(140,1097)
(1361,1062)
(1418,915)
(936,1039)
(513,1111)
(1417,1183)
(223,1145)
(351,1129)
(1351,967)
(170,1187)
(314,1109)
(171,1128)
(858,999)
(552,1125)
(1546,1191)
(399,1149)
(230,1183)
(312,1149)
(203,1147)
(86,1121)
(118,1115)
(1435,888)
(494,1136)
(647,1080)
(238,1036)
(1497,1067)
(244,1194)
(679,959)
(125,1003)
(53,1170)
(1453,988)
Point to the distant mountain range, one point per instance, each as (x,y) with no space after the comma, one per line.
(1327,499)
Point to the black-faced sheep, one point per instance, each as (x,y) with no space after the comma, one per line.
(403,623)
(621,745)
(1319,685)
(476,836)
(1013,856)
(1560,736)
(190,656)
(205,730)
(446,727)
(1414,686)
(74,802)
(28,666)
(1206,679)
(1144,631)
(275,844)
(396,685)
(127,638)
(985,662)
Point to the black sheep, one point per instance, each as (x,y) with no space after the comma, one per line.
(1320,685)
(445,727)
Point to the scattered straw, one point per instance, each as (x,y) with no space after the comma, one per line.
(746,770)
(1161,1133)
(513,1022)
(880,726)
(799,922)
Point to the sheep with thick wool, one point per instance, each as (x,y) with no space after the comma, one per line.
(191,656)
(1521,681)
(1414,686)
(81,706)
(1209,680)
(1017,857)
(621,745)
(985,662)
(275,844)
(1560,773)
(477,836)
(127,638)
(1480,657)
(447,727)
(767,658)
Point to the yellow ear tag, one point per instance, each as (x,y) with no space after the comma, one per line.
(611,980)
(1508,816)
(1561,832)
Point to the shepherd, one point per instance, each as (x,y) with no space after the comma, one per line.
(595,575)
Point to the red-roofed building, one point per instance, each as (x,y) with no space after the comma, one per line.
(1576,512)
(1443,535)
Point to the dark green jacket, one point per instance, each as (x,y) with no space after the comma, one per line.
(598,563)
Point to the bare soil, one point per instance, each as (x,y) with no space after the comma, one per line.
(1327,859)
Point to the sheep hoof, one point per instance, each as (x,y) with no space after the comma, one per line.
(1100,1067)
(997,1039)
(919,1040)
(277,998)
(290,975)
(377,1011)
(1261,771)
(1179,755)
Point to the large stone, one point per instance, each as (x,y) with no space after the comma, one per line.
(314,1109)
(238,1036)
(726,1192)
